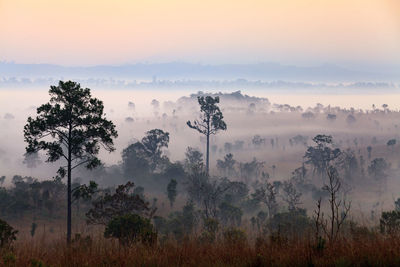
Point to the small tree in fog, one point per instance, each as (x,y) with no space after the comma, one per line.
(71,126)
(7,234)
(154,141)
(193,160)
(391,143)
(171,191)
(32,160)
(291,195)
(321,155)
(267,194)
(141,158)
(378,170)
(210,121)
(227,166)
(350,119)
(130,229)
(125,200)
(369,149)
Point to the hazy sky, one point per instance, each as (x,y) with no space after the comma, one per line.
(87,32)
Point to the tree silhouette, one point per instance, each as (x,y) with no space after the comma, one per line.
(31,160)
(210,122)
(141,158)
(227,166)
(391,143)
(70,126)
(171,191)
(321,155)
(154,141)
(369,149)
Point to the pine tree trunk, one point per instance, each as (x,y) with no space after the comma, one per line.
(69,215)
(208,154)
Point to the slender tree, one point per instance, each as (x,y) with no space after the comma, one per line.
(72,126)
(171,191)
(210,121)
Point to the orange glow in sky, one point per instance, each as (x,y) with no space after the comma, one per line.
(85,32)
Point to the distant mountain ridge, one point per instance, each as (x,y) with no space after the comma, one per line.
(182,71)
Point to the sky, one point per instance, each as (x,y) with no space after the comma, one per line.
(300,32)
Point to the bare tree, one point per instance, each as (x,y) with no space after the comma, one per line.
(339,208)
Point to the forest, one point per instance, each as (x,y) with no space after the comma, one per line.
(212,179)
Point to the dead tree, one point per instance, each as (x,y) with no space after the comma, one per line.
(339,208)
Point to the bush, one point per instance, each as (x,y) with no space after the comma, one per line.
(7,234)
(210,229)
(234,236)
(9,259)
(390,222)
(293,223)
(130,229)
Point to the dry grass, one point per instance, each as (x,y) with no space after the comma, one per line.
(354,250)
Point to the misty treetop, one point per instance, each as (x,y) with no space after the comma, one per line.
(74,120)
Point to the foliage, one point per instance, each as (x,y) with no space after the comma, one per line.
(266,193)
(252,170)
(193,160)
(321,155)
(29,195)
(7,234)
(208,193)
(378,168)
(142,158)
(350,165)
(291,195)
(171,191)
(32,160)
(227,166)
(131,228)
(291,224)
(74,120)
(180,223)
(390,222)
(210,229)
(85,192)
(72,126)
(123,202)
(234,236)
(154,141)
(229,214)
(391,142)
(135,162)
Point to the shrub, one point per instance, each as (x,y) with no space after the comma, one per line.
(130,229)
(390,222)
(82,241)
(234,236)
(9,259)
(37,263)
(293,223)
(210,229)
(7,234)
